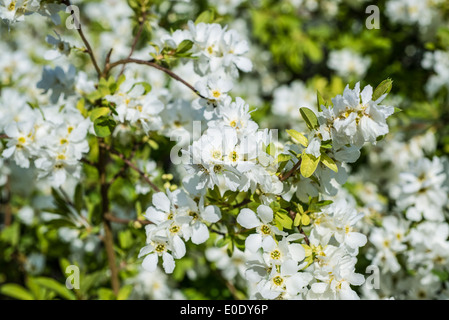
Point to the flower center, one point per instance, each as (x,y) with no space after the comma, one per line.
(265,229)
(174,229)
(275,255)
(216,154)
(216,93)
(278,281)
(160,248)
(233,156)
(12,6)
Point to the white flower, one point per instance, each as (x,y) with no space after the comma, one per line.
(20,142)
(263,224)
(156,248)
(61,47)
(348,63)
(422,190)
(214,88)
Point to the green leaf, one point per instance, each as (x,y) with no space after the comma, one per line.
(103,127)
(184,46)
(320,101)
(328,162)
(55,286)
(383,88)
(310,118)
(125,239)
(79,198)
(299,137)
(105,294)
(206,17)
(309,164)
(284,220)
(124,292)
(99,112)
(16,291)
(305,220)
(297,220)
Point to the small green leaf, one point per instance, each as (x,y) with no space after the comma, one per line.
(383,88)
(103,127)
(16,291)
(299,137)
(305,220)
(329,162)
(297,220)
(124,292)
(310,118)
(99,112)
(309,164)
(55,286)
(184,46)
(320,101)
(206,17)
(284,220)
(79,198)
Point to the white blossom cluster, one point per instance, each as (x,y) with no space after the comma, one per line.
(176,218)
(410,243)
(55,141)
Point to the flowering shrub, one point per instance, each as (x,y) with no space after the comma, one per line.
(244,149)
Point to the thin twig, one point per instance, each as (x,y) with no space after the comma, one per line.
(159,67)
(4,136)
(292,170)
(108,235)
(115,219)
(88,50)
(293,215)
(136,40)
(131,165)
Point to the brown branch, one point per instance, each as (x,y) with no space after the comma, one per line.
(291,171)
(156,66)
(115,219)
(88,50)
(136,40)
(131,165)
(4,136)
(108,236)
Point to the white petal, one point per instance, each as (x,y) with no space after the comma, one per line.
(319,287)
(150,262)
(155,216)
(355,240)
(179,247)
(145,250)
(211,214)
(297,251)
(161,201)
(168,262)
(200,233)
(253,242)
(248,219)
(265,213)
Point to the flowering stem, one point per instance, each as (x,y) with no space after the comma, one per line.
(154,65)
